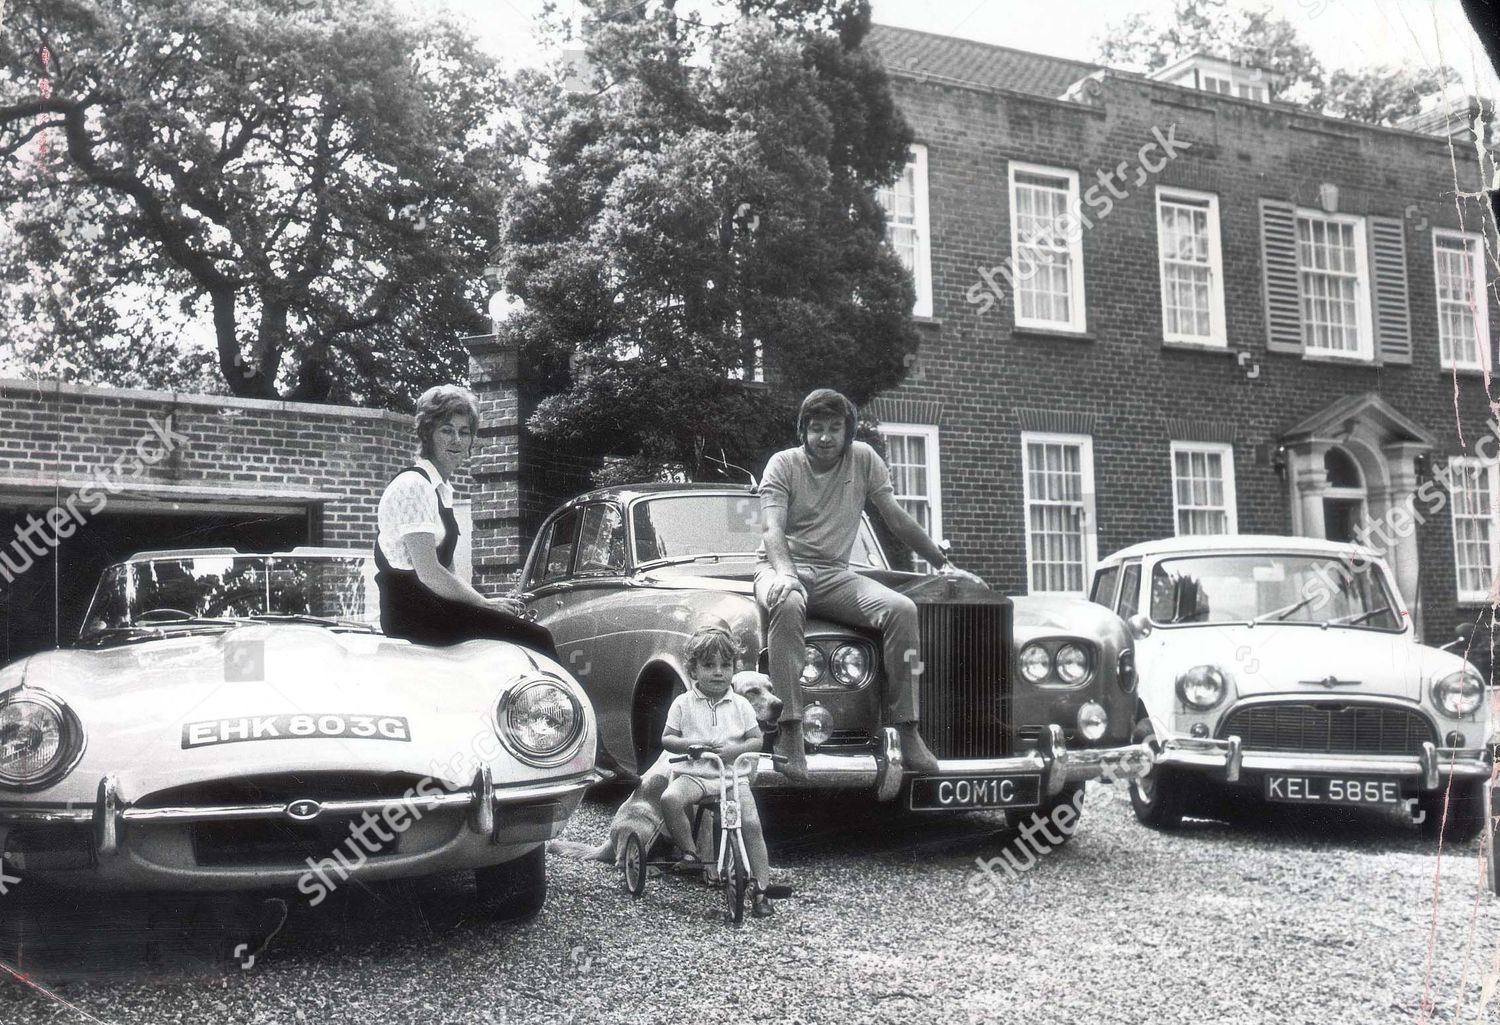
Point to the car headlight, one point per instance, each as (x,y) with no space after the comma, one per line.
(1202,687)
(40,740)
(1459,693)
(1036,663)
(1093,720)
(850,665)
(1072,663)
(540,720)
(815,667)
(817,725)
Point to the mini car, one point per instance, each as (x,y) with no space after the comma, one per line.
(1287,670)
(622,577)
(229,721)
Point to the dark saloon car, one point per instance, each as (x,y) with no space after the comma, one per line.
(1022,699)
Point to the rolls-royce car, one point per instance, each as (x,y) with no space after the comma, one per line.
(236,721)
(1287,670)
(1022,700)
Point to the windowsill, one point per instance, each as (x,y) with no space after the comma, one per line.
(1048,333)
(1167,343)
(1478,603)
(1340,361)
(1465,371)
(933,321)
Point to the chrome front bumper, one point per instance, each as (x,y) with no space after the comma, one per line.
(110,814)
(1227,760)
(882,769)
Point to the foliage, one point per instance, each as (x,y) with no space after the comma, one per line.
(711,189)
(304,191)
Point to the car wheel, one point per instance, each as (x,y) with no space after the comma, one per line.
(517,888)
(1465,811)
(1159,798)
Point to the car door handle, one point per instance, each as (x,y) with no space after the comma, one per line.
(557,602)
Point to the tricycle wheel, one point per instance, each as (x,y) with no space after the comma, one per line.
(633,865)
(735,881)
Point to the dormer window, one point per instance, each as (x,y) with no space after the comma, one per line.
(1216,75)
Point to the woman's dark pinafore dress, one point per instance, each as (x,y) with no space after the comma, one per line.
(408,609)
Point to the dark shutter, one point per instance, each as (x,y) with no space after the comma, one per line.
(1388,289)
(1283,285)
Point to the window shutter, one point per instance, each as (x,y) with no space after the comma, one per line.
(1283,295)
(1388,288)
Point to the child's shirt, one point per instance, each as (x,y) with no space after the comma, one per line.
(702,720)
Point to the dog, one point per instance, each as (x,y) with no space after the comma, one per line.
(641,813)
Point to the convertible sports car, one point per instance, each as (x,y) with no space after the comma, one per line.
(1022,700)
(229,721)
(1287,670)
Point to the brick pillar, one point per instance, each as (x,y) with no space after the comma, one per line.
(495,465)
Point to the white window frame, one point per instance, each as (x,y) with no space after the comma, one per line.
(1218,335)
(1250,91)
(1458,474)
(1216,84)
(1225,451)
(916,160)
(1481,308)
(934,496)
(1078,321)
(1090,522)
(1363,315)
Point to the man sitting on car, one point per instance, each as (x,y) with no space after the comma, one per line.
(812,498)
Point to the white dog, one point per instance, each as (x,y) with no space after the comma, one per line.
(641,812)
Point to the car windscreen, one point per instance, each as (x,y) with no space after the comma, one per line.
(683,526)
(1272,588)
(156,591)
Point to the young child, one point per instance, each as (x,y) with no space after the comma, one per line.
(713,716)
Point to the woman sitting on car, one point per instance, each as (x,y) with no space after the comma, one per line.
(421,597)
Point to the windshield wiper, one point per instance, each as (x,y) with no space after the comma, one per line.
(677,560)
(303,617)
(1282,613)
(1355,618)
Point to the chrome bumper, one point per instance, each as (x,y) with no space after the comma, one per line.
(1226,759)
(110,813)
(883,770)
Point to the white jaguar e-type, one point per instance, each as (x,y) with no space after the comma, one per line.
(231,721)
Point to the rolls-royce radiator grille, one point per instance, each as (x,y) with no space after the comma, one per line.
(964,683)
(1329,729)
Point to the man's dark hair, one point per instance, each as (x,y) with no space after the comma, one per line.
(827,402)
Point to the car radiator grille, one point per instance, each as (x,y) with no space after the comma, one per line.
(1329,729)
(964,684)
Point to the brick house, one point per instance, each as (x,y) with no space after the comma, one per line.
(1151,307)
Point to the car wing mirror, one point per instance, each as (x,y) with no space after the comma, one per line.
(1140,626)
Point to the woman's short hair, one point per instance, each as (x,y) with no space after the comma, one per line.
(708,641)
(437,404)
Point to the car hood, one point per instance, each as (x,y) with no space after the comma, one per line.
(1271,659)
(138,703)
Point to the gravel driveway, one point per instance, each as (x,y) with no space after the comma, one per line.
(1301,919)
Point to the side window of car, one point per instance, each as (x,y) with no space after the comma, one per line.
(1130,591)
(601,542)
(1104,587)
(560,546)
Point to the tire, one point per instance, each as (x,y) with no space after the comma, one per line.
(736,879)
(1465,811)
(1045,815)
(516,889)
(1160,797)
(633,866)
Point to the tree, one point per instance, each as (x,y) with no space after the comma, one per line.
(1257,39)
(312,186)
(711,194)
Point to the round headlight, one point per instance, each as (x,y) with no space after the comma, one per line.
(37,734)
(540,720)
(1458,693)
(815,667)
(1072,663)
(851,665)
(1035,663)
(1093,720)
(1201,687)
(817,725)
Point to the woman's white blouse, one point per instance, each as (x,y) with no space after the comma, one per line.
(410,506)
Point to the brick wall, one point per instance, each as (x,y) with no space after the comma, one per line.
(980,371)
